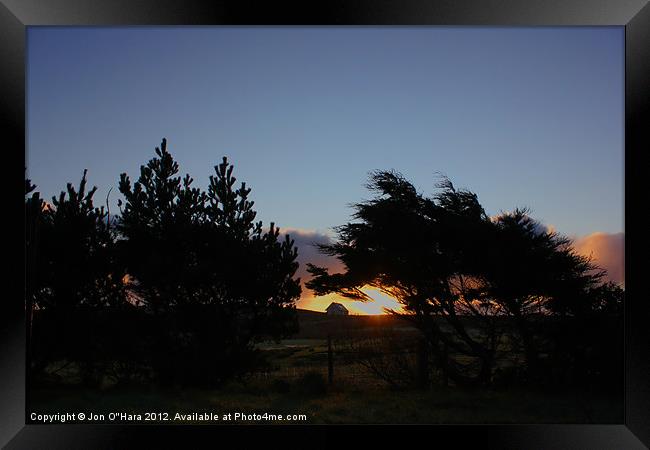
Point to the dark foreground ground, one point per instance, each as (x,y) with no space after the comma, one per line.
(296,384)
(341,405)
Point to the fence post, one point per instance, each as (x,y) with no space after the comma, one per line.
(330,360)
(423,364)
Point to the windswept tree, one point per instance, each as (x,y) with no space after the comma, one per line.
(447,262)
(423,252)
(533,273)
(200,259)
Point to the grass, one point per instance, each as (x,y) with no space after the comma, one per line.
(295,383)
(341,405)
(292,386)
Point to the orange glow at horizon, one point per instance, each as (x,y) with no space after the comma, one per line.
(372,308)
(606,249)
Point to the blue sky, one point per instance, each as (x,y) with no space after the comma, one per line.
(522,116)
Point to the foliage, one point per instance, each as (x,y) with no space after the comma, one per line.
(217,279)
(184,281)
(71,267)
(76,265)
(445,257)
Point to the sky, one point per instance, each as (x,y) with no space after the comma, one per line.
(524,117)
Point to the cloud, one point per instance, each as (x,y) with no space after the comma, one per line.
(607,250)
(307,241)
(308,252)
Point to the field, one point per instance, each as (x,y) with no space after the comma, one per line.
(296,382)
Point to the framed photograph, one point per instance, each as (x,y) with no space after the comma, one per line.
(324,222)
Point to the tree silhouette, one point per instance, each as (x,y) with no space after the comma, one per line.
(72,274)
(445,258)
(199,259)
(157,229)
(76,265)
(33,217)
(420,251)
(532,273)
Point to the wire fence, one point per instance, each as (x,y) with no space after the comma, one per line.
(354,360)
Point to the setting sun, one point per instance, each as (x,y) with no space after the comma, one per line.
(379,304)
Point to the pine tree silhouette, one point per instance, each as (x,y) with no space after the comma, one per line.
(199,261)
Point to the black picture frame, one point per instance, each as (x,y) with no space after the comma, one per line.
(634,15)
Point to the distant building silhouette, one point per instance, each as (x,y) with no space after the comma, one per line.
(337,309)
